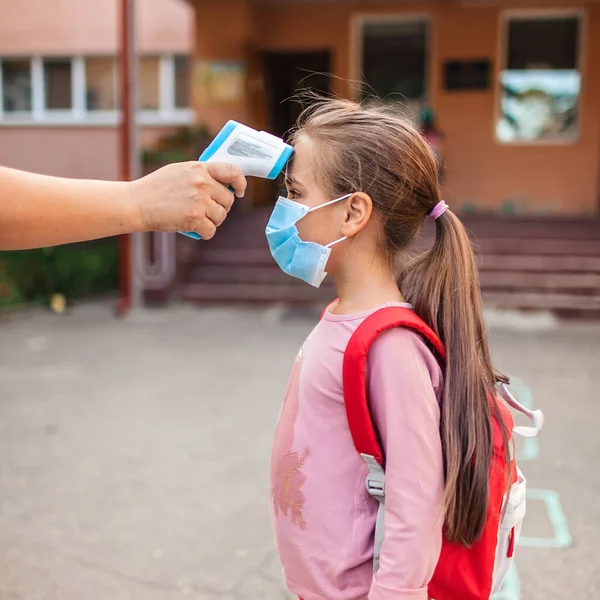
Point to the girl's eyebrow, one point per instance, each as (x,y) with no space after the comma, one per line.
(291,181)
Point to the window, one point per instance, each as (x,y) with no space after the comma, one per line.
(86,90)
(149,83)
(182,82)
(394,61)
(540,84)
(16,86)
(163,86)
(58,84)
(100,84)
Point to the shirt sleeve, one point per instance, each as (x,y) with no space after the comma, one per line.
(405,385)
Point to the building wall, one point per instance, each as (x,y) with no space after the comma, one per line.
(82,152)
(65,27)
(225,31)
(557,178)
(561,178)
(69,28)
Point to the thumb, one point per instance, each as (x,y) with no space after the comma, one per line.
(229,175)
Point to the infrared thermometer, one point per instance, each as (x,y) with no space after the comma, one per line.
(255,153)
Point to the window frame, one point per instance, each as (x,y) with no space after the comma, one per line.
(18,115)
(110,116)
(190,66)
(55,113)
(166,115)
(502,53)
(358,25)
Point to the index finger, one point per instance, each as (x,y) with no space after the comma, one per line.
(228,175)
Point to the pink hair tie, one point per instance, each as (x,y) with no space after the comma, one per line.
(438,210)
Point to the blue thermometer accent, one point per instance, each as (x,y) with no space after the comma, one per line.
(280,164)
(218,142)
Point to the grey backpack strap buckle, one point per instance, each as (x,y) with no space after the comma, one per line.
(375,484)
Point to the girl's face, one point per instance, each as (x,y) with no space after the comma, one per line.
(321,226)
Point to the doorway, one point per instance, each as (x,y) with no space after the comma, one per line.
(287,74)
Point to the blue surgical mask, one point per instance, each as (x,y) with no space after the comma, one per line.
(304,260)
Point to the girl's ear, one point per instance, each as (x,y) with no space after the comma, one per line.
(357,213)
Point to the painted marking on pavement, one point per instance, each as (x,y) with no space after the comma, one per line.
(511,590)
(562,536)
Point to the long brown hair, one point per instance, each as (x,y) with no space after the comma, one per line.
(370,148)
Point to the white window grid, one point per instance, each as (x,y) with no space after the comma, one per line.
(78,114)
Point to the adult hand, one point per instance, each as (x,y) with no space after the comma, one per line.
(187,196)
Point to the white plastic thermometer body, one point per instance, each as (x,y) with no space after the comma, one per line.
(255,153)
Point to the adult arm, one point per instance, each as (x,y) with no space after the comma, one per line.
(40,210)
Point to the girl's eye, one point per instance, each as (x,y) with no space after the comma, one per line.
(293,194)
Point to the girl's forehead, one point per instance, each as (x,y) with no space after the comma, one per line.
(301,166)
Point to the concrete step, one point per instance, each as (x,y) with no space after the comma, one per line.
(200,253)
(523,263)
(539,263)
(250,293)
(240,273)
(540,247)
(507,280)
(572,303)
(534,228)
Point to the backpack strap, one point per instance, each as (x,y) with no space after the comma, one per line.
(356,400)
(355,371)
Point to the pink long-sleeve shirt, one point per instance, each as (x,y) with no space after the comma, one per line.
(324,518)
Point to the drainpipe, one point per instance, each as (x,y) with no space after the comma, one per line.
(137,271)
(128,150)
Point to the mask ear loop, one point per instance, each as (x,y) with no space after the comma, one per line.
(330,202)
(342,239)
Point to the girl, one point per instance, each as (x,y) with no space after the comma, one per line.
(361,184)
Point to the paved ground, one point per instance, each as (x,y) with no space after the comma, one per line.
(134,455)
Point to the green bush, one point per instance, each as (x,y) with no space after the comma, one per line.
(77,271)
(185,143)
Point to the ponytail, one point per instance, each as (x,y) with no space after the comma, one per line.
(443,287)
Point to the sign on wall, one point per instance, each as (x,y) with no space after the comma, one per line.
(218,82)
(467,75)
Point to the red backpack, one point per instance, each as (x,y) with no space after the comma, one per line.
(475,573)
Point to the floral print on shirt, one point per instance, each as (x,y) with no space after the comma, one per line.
(287,478)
